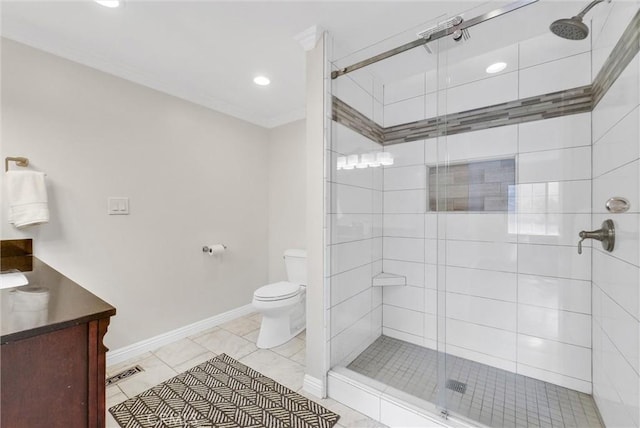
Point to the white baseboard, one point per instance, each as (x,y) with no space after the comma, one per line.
(139,348)
(314,386)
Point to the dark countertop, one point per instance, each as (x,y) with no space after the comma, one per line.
(50,301)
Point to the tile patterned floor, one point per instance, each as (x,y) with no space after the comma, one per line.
(494,397)
(237,338)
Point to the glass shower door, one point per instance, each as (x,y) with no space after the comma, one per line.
(471,172)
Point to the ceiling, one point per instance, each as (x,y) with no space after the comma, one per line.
(208,52)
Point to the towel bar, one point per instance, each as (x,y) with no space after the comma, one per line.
(20,161)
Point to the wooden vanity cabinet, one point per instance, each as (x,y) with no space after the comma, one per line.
(55,379)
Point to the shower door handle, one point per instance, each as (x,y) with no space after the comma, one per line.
(606,234)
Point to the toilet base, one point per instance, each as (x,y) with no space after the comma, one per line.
(279,329)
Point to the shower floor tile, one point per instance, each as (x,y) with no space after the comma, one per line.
(492,396)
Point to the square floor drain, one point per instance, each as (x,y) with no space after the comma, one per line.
(456,386)
(124,375)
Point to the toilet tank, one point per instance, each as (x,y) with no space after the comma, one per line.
(296,263)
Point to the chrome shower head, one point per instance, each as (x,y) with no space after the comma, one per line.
(574,28)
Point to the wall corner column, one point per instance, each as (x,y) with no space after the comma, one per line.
(316,351)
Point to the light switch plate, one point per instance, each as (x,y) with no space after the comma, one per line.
(117,206)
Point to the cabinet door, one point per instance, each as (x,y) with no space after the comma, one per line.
(44,380)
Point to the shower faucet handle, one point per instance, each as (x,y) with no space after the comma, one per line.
(606,234)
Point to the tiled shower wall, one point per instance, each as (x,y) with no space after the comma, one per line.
(516,293)
(616,275)
(355,219)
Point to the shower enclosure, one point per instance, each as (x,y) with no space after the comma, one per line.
(460,175)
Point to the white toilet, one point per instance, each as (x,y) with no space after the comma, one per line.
(282,304)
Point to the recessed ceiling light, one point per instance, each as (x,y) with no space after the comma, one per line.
(108,3)
(261,80)
(496,67)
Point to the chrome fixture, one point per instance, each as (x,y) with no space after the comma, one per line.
(573,28)
(606,234)
(457,34)
(617,204)
(457,31)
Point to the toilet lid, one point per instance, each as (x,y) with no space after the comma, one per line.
(277,291)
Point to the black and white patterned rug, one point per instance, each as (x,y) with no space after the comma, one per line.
(223,393)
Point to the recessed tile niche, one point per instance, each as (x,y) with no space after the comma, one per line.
(474,186)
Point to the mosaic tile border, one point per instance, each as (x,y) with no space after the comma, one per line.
(351,118)
(621,55)
(562,103)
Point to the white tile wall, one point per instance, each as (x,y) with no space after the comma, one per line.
(557,133)
(552,228)
(404,89)
(351,255)
(501,142)
(482,255)
(404,225)
(623,181)
(480,357)
(407,153)
(350,283)
(482,283)
(555,293)
(493,90)
(554,197)
(358,94)
(622,287)
(555,165)
(405,177)
(554,261)
(355,221)
(548,47)
(565,73)
(352,227)
(608,24)
(351,199)
(570,360)
(621,98)
(487,226)
(402,319)
(405,201)
(414,272)
(345,141)
(613,149)
(408,297)
(470,69)
(408,110)
(479,310)
(350,311)
(560,326)
(405,249)
(616,275)
(486,340)
(620,327)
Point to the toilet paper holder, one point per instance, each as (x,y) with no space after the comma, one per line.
(206,248)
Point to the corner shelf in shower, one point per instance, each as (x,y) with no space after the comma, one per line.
(386,279)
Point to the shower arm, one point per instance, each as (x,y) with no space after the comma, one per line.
(590,6)
(434,36)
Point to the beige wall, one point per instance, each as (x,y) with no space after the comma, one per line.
(193,176)
(287,190)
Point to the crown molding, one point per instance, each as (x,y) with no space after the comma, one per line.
(309,37)
(181,91)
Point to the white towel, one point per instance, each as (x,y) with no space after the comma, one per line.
(27,197)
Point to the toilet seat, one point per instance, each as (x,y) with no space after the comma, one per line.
(277,291)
